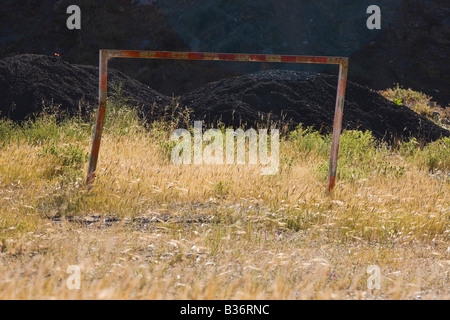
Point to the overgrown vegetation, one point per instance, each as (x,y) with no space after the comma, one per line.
(151,229)
(420,103)
(362,157)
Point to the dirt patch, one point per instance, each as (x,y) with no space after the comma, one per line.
(306,98)
(145,222)
(28,82)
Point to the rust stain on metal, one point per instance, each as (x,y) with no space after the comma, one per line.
(222,56)
(105,55)
(337,125)
(103,86)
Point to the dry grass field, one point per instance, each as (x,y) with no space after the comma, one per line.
(149,229)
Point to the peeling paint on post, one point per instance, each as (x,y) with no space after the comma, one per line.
(105,55)
(337,125)
(103,94)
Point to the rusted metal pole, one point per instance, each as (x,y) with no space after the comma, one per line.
(337,125)
(210,56)
(102,94)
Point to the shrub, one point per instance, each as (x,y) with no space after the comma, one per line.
(418,102)
(409,149)
(407,97)
(7,130)
(435,155)
(424,110)
(308,140)
(45,128)
(68,160)
(357,155)
(360,156)
(357,146)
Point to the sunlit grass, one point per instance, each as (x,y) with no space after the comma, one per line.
(222,231)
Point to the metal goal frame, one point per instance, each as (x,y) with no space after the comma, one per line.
(106,55)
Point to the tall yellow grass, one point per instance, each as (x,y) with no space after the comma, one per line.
(213,232)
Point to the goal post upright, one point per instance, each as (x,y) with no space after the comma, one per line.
(106,55)
(337,125)
(102,97)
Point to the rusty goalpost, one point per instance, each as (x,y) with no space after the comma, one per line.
(106,55)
